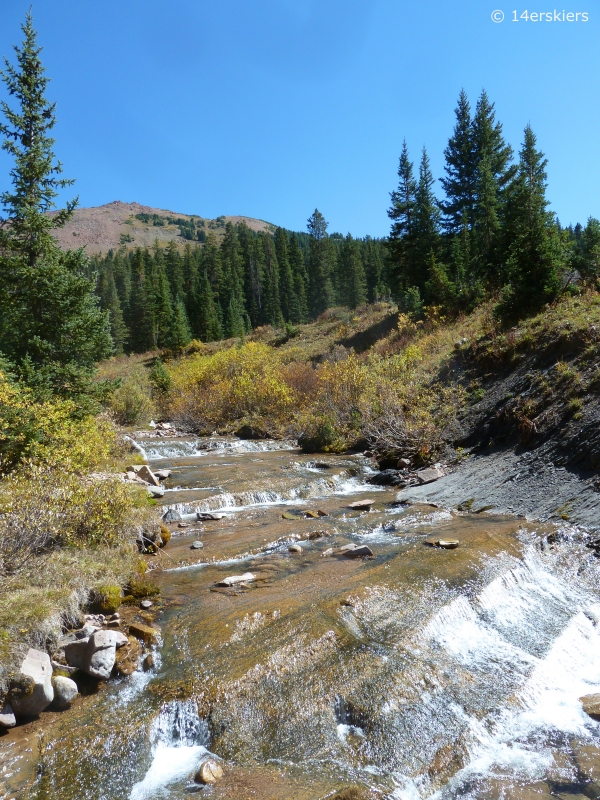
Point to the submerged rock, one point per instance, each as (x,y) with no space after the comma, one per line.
(210,772)
(147,634)
(445,544)
(361,505)
(355,551)
(127,657)
(7,717)
(233,579)
(30,696)
(65,691)
(197,545)
(295,548)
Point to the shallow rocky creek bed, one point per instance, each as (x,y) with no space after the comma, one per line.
(417,672)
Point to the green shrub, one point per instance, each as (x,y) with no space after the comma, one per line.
(106,599)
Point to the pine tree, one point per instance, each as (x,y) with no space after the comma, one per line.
(253,260)
(289,301)
(402,212)
(354,284)
(587,250)
(535,252)
(51,325)
(270,282)
(426,226)
(459,183)
(377,287)
(159,294)
(174,269)
(179,334)
(109,301)
(300,275)
(234,319)
(140,321)
(206,324)
(321,265)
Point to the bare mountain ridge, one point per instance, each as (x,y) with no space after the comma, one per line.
(115,225)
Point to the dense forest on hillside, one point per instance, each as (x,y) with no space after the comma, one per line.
(163,297)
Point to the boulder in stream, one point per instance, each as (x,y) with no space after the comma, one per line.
(65,691)
(163,474)
(210,772)
(355,551)
(146,474)
(294,548)
(31,690)
(197,545)
(361,505)
(101,653)
(171,515)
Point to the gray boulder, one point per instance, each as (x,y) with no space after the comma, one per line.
(146,474)
(75,652)
(7,717)
(37,667)
(163,474)
(171,516)
(100,654)
(156,491)
(65,691)
(430,474)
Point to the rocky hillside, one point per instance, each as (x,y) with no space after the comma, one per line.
(119,224)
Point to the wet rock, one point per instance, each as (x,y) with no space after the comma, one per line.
(30,696)
(7,717)
(100,655)
(317,535)
(403,463)
(183,524)
(65,691)
(171,516)
(233,579)
(295,548)
(355,551)
(156,491)
(163,474)
(587,758)
(197,545)
(322,513)
(294,513)
(210,772)
(113,623)
(146,604)
(148,662)
(445,544)
(591,705)
(208,515)
(322,465)
(388,477)
(361,505)
(327,552)
(145,633)
(250,432)
(146,474)
(128,656)
(430,474)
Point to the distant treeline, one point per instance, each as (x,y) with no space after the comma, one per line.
(161,297)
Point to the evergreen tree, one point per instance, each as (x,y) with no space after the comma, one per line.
(109,301)
(140,321)
(253,260)
(402,212)
(535,252)
(232,291)
(289,301)
(179,334)
(426,226)
(354,285)
(174,269)
(300,276)
(271,312)
(460,180)
(587,250)
(51,325)
(321,265)
(159,294)
(207,326)
(377,287)
(234,319)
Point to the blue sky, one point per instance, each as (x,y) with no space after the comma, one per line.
(271,108)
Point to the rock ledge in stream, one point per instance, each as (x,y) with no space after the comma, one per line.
(591,705)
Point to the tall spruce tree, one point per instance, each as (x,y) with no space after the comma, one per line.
(402,212)
(109,301)
(353,285)
(289,300)
(271,312)
(300,276)
(51,325)
(321,265)
(426,225)
(459,183)
(535,252)
(140,318)
(180,334)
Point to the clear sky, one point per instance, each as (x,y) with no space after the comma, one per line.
(270,108)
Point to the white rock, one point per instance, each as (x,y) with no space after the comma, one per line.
(36,665)
(7,717)
(65,691)
(75,653)
(163,474)
(233,579)
(156,491)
